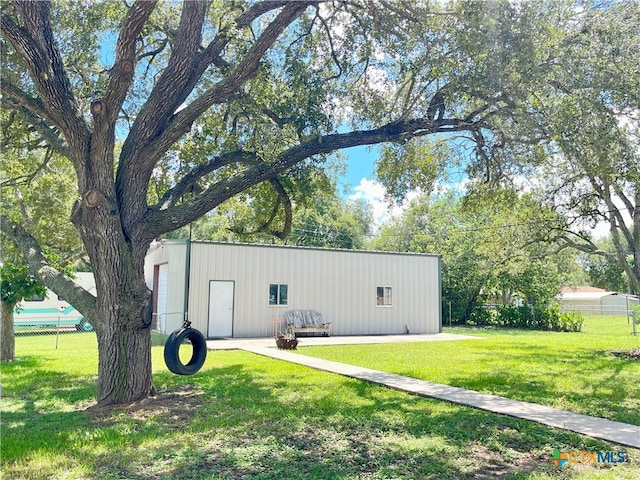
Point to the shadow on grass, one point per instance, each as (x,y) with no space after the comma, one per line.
(262,419)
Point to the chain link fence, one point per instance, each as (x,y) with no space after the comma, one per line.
(629,313)
(50,325)
(60,324)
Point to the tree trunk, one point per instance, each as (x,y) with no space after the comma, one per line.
(471,302)
(124,370)
(7,335)
(123,303)
(124,336)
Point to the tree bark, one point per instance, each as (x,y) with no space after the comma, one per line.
(7,335)
(124,360)
(123,304)
(124,330)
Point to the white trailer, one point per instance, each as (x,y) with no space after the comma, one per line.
(49,312)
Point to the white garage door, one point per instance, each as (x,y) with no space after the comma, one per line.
(161,309)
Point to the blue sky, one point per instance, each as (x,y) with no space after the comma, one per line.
(360,164)
(358,182)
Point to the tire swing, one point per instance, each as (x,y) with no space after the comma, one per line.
(172,350)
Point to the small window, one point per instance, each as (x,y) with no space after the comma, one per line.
(35,298)
(383,296)
(278,294)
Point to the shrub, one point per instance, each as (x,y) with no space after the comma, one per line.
(516,317)
(481,316)
(548,318)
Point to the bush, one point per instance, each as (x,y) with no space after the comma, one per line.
(516,317)
(562,322)
(527,317)
(482,317)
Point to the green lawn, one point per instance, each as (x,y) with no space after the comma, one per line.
(246,416)
(572,371)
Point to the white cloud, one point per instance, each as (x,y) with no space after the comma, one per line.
(374,193)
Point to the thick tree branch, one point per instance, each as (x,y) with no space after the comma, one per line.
(48,134)
(36,45)
(124,66)
(149,140)
(56,281)
(230,85)
(613,214)
(212,54)
(626,201)
(165,220)
(167,94)
(171,196)
(20,97)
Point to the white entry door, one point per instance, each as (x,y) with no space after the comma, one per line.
(220,308)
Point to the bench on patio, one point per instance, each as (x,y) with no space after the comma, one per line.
(307,321)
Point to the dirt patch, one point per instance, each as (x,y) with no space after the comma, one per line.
(174,406)
(486,463)
(633,354)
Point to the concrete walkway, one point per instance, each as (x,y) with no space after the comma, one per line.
(243,343)
(595,427)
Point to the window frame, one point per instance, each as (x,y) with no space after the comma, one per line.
(279,292)
(387,296)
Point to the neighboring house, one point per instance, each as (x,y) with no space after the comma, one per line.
(51,311)
(596,301)
(243,290)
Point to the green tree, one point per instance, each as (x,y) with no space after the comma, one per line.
(579,142)
(488,247)
(207,100)
(36,186)
(438,227)
(16,284)
(592,170)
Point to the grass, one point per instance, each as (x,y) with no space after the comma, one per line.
(571,371)
(246,416)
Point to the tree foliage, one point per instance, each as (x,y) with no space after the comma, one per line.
(592,168)
(603,273)
(488,248)
(16,284)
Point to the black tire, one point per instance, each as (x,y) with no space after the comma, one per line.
(172,348)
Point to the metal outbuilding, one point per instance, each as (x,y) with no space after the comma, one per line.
(597,301)
(243,290)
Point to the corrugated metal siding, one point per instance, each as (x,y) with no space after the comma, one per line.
(340,284)
(172,253)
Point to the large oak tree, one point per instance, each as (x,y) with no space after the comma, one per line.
(592,170)
(226,96)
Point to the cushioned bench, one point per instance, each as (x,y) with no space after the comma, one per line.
(307,321)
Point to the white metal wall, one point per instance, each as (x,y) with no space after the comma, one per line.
(172,256)
(340,284)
